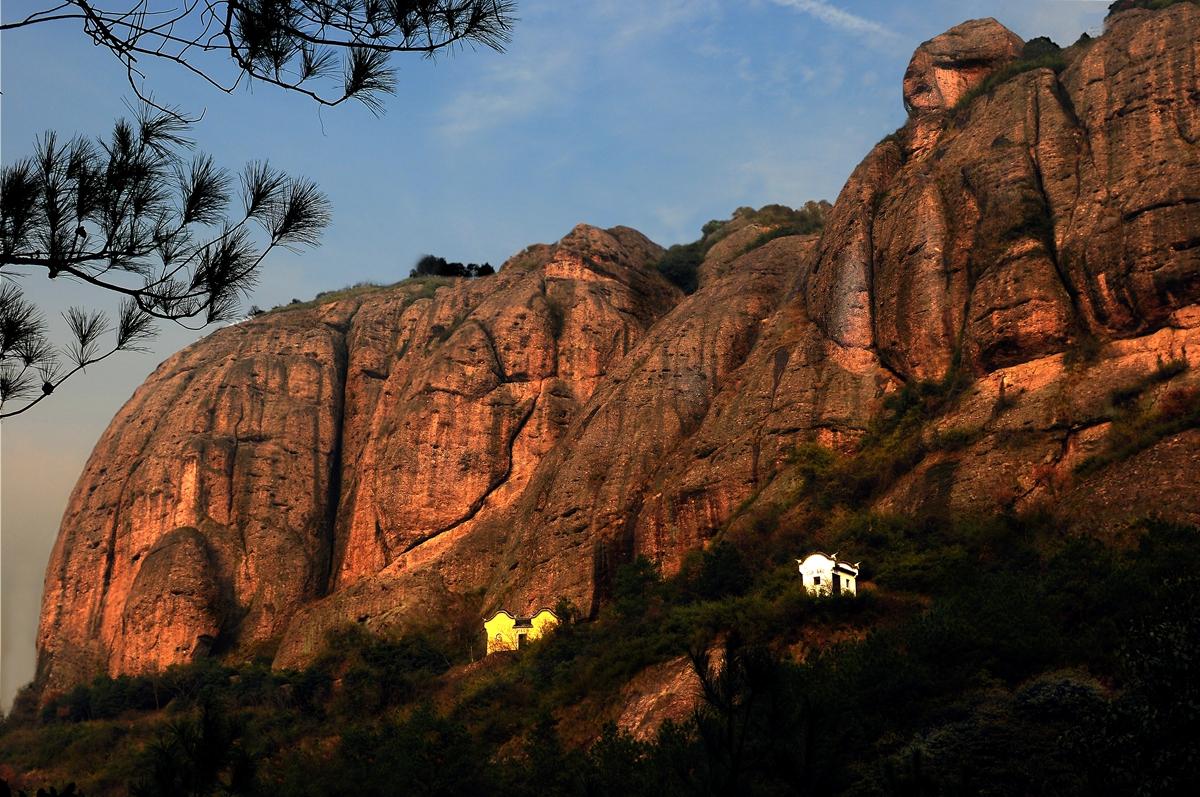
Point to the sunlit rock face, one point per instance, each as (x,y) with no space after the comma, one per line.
(1053,207)
(293,455)
(945,68)
(429,453)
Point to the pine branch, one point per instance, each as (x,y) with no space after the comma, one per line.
(130,215)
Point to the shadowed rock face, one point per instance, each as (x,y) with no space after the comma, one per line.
(429,452)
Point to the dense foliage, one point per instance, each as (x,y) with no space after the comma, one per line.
(432,266)
(985,655)
(1039,665)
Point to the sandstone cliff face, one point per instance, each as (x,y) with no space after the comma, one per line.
(426,453)
(295,454)
(1053,208)
(214,480)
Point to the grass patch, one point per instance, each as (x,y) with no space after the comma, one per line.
(779,232)
(1039,53)
(416,288)
(894,443)
(1138,426)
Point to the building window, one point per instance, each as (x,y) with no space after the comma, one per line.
(816,579)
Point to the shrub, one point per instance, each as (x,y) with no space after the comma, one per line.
(893,444)
(771,235)
(681,263)
(722,573)
(433,266)
(1136,428)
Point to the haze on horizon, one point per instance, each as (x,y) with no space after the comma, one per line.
(658,116)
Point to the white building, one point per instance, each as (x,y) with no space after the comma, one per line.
(827,575)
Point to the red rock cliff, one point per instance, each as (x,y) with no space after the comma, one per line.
(423,452)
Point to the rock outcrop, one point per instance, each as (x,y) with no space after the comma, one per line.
(428,452)
(1053,208)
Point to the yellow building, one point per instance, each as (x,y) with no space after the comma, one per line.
(505,632)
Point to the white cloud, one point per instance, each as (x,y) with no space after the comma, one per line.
(557,50)
(837,18)
(629,23)
(563,49)
(513,88)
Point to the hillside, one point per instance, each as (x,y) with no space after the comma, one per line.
(986,357)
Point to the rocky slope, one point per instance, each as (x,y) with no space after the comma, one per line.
(422,454)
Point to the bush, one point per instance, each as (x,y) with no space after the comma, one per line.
(1138,426)
(722,573)
(432,266)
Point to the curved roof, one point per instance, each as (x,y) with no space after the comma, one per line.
(498,613)
(521,620)
(832,558)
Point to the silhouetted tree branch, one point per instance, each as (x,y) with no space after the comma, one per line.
(327,50)
(133,216)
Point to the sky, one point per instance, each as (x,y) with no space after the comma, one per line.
(656,114)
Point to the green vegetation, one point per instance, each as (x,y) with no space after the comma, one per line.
(681,263)
(434,266)
(1139,421)
(1055,61)
(422,287)
(1164,371)
(895,441)
(1000,667)
(1039,53)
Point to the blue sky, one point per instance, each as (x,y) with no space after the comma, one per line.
(657,114)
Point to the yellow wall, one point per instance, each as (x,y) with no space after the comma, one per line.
(502,633)
(543,622)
